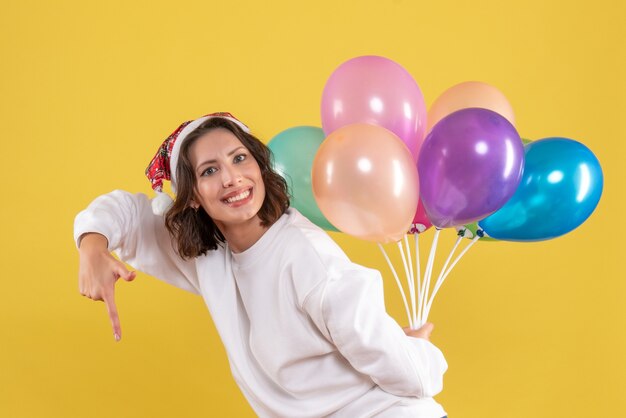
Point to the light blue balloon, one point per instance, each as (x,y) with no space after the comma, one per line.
(294,150)
(561,186)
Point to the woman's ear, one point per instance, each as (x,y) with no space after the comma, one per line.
(194,205)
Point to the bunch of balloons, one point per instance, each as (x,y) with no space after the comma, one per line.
(359,173)
(382,167)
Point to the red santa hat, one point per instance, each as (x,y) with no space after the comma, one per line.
(163,165)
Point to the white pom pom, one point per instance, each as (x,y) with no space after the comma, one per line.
(161,203)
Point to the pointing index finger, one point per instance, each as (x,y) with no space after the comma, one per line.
(109,301)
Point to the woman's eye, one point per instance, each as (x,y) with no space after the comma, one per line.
(239,158)
(209,171)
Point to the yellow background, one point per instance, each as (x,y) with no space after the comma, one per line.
(90,89)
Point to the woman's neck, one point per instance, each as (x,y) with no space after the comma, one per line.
(242,236)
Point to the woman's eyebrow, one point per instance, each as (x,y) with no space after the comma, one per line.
(214,161)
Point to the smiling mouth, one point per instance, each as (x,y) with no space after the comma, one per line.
(238,197)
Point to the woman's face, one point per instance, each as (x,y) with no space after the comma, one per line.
(229,185)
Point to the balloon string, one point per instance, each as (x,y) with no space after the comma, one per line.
(412,277)
(419,279)
(395,275)
(426,284)
(408,276)
(442,272)
(447,272)
(445,266)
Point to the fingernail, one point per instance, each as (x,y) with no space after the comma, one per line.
(117,337)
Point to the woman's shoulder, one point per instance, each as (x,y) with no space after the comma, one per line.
(311,251)
(301,234)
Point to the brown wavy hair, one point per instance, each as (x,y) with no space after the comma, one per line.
(194,231)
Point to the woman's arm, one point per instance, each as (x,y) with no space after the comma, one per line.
(124,223)
(354,315)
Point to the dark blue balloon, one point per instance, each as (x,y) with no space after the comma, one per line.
(561,186)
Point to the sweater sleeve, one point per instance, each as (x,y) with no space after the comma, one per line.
(353,311)
(137,236)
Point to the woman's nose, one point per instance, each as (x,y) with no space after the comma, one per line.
(230,176)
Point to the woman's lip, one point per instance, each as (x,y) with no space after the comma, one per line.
(239,202)
(235,193)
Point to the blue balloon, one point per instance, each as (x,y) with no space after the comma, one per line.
(561,186)
(294,150)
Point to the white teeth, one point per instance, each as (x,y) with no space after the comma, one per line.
(239,197)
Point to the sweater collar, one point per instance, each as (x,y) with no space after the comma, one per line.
(257,249)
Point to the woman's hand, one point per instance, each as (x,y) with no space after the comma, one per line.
(97,274)
(423,332)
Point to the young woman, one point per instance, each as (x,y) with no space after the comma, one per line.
(305,329)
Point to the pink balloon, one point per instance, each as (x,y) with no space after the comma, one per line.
(420,221)
(365,182)
(378,91)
